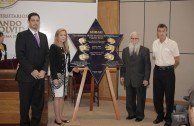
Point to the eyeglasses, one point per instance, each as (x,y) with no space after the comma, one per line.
(135,38)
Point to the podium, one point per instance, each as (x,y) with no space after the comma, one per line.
(8,64)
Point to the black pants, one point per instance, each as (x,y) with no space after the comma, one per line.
(31,95)
(135,100)
(191,99)
(164,84)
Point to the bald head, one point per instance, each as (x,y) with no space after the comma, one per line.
(134,38)
(134,34)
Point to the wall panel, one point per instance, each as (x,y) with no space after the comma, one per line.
(131,19)
(154,15)
(178,16)
(182,25)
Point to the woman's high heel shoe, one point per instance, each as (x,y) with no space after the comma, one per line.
(66,121)
(60,124)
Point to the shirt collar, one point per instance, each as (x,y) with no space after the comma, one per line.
(33,32)
(165,41)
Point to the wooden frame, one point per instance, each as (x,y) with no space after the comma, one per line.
(117,112)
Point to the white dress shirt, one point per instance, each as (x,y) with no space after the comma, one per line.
(33,32)
(165,52)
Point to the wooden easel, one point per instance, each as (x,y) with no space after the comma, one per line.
(91,97)
(117,112)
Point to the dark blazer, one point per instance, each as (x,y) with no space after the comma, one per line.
(58,61)
(136,68)
(5,48)
(30,56)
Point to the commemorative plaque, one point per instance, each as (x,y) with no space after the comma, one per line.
(96,50)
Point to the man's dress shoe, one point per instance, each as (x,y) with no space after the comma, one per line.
(167,124)
(138,119)
(130,117)
(157,120)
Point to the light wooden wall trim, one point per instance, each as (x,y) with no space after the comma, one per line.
(108,17)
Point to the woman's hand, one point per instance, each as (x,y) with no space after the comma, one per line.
(56,82)
(75,69)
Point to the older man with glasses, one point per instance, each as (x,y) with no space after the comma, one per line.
(135,75)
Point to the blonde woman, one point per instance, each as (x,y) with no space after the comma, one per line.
(59,67)
(3,49)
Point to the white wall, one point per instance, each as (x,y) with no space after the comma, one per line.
(75,17)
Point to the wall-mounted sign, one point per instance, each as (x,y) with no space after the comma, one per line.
(6,3)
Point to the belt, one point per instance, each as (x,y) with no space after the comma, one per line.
(164,67)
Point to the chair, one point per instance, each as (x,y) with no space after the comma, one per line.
(77,77)
(9,64)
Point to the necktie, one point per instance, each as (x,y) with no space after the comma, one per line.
(37,38)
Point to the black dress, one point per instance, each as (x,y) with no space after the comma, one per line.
(3,53)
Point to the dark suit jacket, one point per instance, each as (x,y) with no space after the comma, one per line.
(30,56)
(5,48)
(136,68)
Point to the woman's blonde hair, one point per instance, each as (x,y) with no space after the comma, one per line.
(66,45)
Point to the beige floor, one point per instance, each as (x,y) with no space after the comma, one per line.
(103,115)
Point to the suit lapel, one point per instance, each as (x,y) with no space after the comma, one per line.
(32,39)
(140,51)
(41,39)
(127,53)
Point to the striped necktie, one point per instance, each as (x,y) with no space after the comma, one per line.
(37,38)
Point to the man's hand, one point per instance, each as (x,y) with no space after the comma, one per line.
(41,74)
(122,80)
(145,83)
(35,74)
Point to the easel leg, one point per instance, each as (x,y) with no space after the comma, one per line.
(113,95)
(79,94)
(92,94)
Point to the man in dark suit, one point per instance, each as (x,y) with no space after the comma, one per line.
(3,48)
(135,74)
(32,53)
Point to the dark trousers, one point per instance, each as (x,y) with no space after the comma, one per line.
(135,100)
(164,84)
(31,95)
(191,99)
